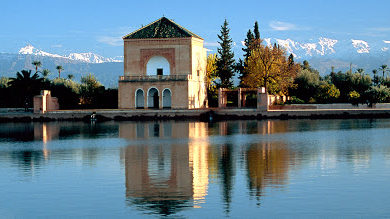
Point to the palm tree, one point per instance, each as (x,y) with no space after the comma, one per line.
(360,71)
(46,73)
(36,64)
(70,76)
(384,70)
(376,79)
(59,68)
(26,85)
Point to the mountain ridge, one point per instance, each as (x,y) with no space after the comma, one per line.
(87,57)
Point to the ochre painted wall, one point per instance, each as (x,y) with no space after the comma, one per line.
(186,56)
(178,91)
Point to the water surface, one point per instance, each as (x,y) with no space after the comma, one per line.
(301,168)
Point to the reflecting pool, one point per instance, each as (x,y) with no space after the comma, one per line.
(267,168)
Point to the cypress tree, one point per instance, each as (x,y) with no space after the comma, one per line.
(225,63)
(291,60)
(240,67)
(256,31)
(248,42)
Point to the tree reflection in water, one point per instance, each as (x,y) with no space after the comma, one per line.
(170,166)
(267,165)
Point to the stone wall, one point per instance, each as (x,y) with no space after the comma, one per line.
(45,102)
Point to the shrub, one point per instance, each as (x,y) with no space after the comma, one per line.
(354,97)
(377,94)
(327,93)
(307,83)
(67,92)
(295,100)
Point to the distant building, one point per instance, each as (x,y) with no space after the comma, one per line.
(164,67)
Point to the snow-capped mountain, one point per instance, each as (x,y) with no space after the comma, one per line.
(30,50)
(91,58)
(361,46)
(106,70)
(88,57)
(327,47)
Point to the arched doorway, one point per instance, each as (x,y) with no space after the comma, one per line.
(139,99)
(153,101)
(167,97)
(158,65)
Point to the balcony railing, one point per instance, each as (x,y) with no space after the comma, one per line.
(182,77)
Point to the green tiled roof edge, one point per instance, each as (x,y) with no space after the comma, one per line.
(180,31)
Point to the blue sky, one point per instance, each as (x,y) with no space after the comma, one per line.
(64,26)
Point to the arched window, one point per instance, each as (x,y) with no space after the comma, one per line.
(139,99)
(158,65)
(153,99)
(167,98)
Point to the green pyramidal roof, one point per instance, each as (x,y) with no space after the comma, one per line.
(161,28)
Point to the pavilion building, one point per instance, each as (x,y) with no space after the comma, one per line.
(164,67)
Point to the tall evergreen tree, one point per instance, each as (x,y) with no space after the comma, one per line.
(225,63)
(240,66)
(248,42)
(256,31)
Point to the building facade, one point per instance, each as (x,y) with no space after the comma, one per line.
(164,67)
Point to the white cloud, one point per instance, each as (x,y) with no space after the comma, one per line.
(113,41)
(384,49)
(282,26)
(243,43)
(386,41)
(211,44)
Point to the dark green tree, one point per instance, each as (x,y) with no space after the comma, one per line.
(225,63)
(59,68)
(37,64)
(240,65)
(375,78)
(45,73)
(70,76)
(307,84)
(384,70)
(256,30)
(291,60)
(90,90)
(305,65)
(67,92)
(247,47)
(25,86)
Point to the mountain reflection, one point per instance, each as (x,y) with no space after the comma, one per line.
(36,137)
(171,166)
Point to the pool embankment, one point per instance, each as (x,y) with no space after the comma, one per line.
(197,114)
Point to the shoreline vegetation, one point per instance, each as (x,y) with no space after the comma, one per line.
(268,66)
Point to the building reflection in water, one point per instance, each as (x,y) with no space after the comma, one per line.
(46,132)
(166,176)
(171,165)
